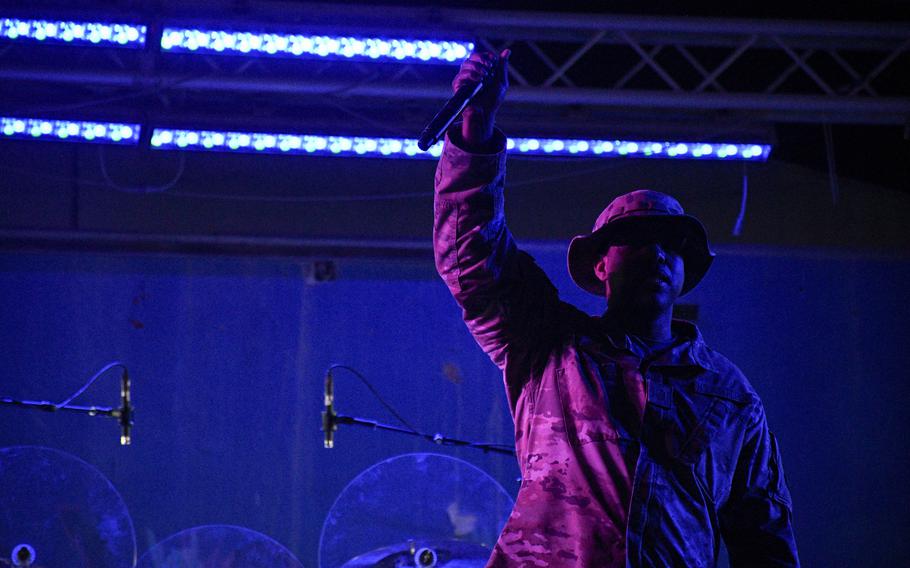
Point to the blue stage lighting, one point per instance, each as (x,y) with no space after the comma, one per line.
(275,143)
(71,130)
(196,40)
(373,147)
(639,149)
(74,33)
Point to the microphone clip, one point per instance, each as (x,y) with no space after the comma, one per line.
(124,414)
(329,426)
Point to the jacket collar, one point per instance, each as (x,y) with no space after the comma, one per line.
(689,350)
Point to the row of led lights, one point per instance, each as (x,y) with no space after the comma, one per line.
(197,40)
(561,147)
(367,146)
(264,142)
(77,130)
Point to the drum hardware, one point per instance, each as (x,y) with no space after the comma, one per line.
(60,511)
(419,510)
(124,414)
(331,420)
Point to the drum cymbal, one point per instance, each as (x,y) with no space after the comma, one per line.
(63,509)
(418,498)
(218,546)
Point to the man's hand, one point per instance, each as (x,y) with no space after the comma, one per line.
(480,115)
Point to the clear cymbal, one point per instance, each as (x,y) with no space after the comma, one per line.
(414,499)
(63,509)
(218,546)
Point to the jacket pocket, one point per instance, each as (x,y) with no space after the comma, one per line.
(703,412)
(584,406)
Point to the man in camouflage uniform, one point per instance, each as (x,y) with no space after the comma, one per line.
(638,444)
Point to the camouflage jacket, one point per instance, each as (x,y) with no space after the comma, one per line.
(601,488)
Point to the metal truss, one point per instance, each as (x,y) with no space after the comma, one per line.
(756,71)
(798,71)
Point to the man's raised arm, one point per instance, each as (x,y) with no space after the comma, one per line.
(506,298)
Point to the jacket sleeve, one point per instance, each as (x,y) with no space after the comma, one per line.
(507,301)
(756,520)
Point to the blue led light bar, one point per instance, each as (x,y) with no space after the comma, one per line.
(269,143)
(639,149)
(81,33)
(70,130)
(312,144)
(298,45)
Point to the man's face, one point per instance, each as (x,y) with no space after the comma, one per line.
(643,269)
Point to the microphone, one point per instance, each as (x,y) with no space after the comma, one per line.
(449,112)
(328,415)
(125,414)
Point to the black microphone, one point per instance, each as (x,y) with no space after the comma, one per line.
(328,415)
(450,111)
(125,414)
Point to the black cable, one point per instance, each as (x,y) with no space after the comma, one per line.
(437,438)
(103,370)
(832,167)
(181,168)
(738,225)
(382,401)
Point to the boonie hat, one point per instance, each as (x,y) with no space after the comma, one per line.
(633,209)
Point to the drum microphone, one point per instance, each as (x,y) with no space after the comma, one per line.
(125,414)
(328,415)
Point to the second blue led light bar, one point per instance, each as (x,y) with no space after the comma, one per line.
(365,146)
(639,149)
(359,146)
(197,40)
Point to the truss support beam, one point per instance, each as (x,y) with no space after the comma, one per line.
(783,108)
(763,70)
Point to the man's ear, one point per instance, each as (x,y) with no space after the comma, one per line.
(600,269)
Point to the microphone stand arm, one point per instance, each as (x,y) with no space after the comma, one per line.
(46,406)
(435,438)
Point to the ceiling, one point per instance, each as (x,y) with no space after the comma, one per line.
(86,191)
(871,149)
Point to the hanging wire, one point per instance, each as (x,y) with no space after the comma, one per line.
(738,225)
(381,126)
(832,167)
(181,168)
(156,89)
(386,197)
(89,383)
(437,438)
(375,392)
(304,198)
